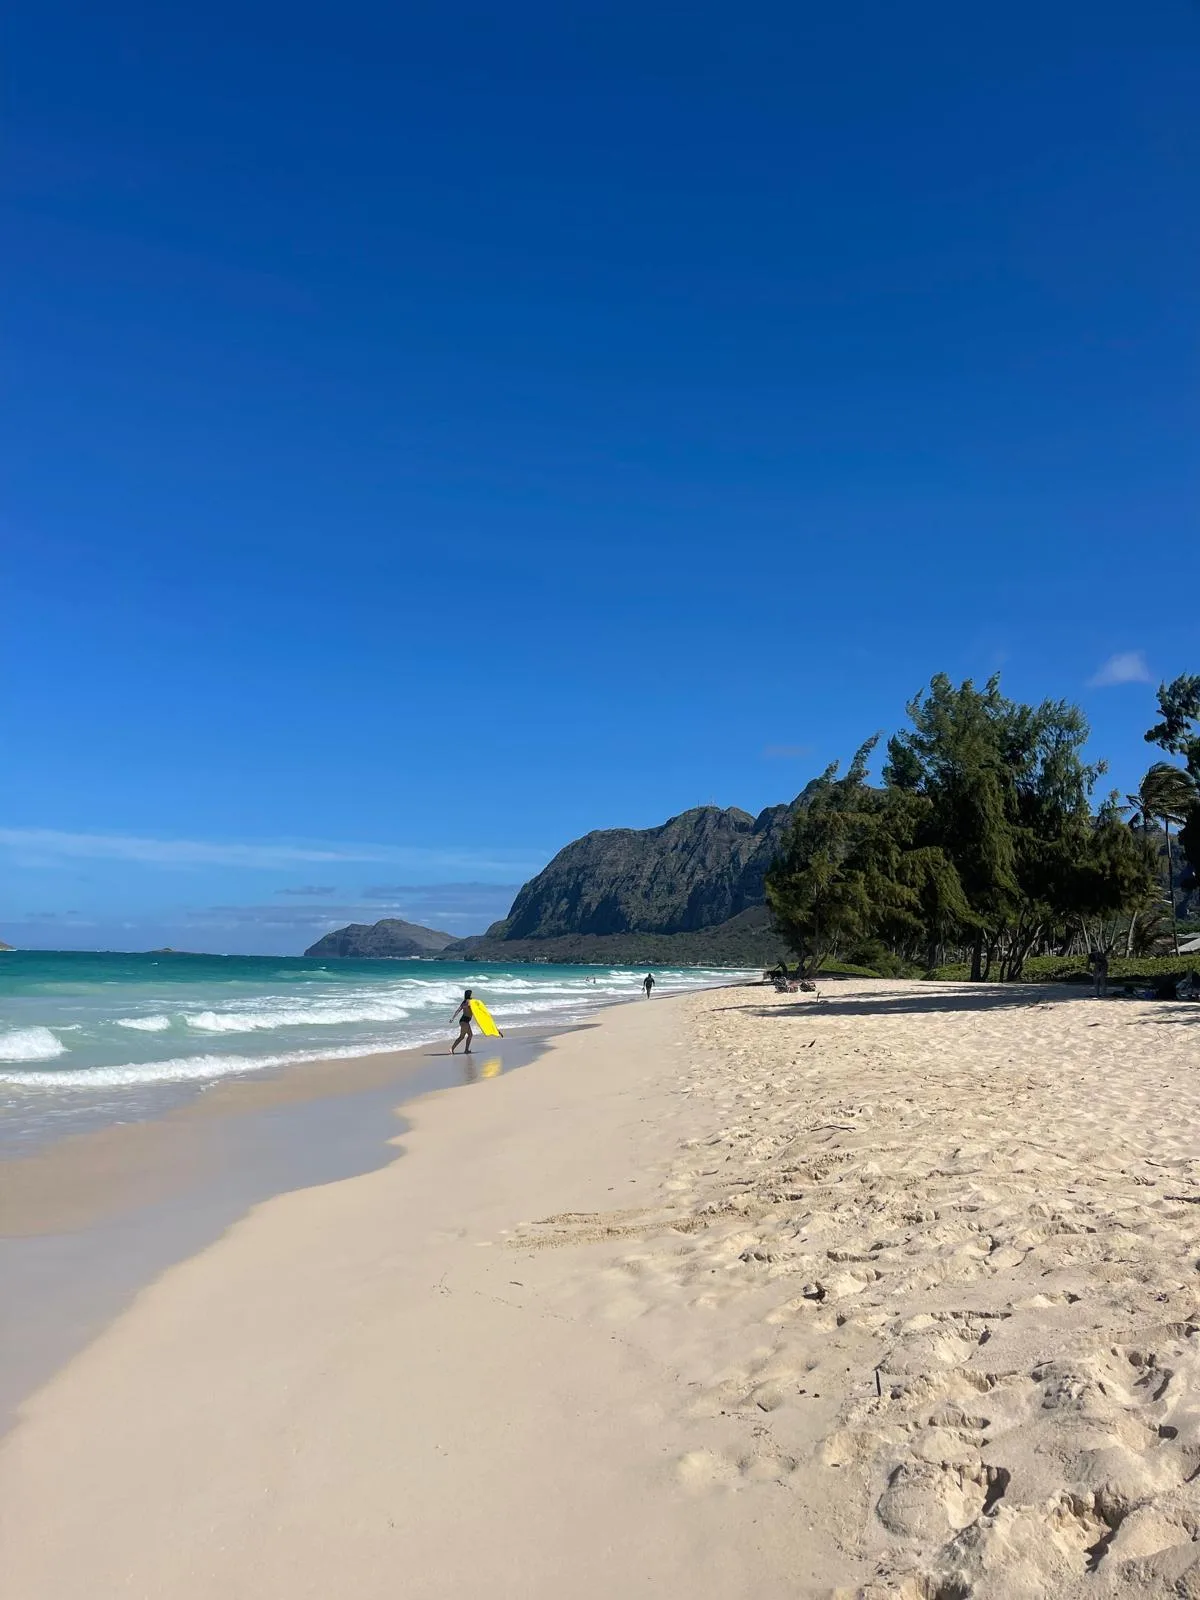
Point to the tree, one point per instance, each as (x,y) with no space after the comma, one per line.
(1063,855)
(981,836)
(855,867)
(1179,734)
(1144,823)
(815,889)
(1112,874)
(953,758)
(1008,793)
(1167,794)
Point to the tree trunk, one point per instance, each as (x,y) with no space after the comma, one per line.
(1023,941)
(977,959)
(1132,930)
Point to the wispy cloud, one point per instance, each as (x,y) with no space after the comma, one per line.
(786,752)
(276,916)
(466,907)
(309,890)
(1127,666)
(456,904)
(448,893)
(46,846)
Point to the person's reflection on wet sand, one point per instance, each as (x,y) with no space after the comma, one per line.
(491,1068)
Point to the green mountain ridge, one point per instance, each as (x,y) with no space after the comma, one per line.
(695,871)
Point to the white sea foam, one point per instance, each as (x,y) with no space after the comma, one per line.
(30,1044)
(181,1069)
(285,1016)
(157,1024)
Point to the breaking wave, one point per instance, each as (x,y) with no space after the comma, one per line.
(321,1016)
(30,1044)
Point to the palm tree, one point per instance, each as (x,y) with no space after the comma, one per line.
(1143,818)
(1165,794)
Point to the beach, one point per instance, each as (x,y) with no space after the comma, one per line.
(886,1292)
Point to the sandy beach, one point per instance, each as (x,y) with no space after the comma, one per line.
(892,1292)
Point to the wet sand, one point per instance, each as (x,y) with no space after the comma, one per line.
(88,1220)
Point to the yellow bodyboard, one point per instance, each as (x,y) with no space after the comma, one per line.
(484,1019)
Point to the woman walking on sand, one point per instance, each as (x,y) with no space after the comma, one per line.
(462,1016)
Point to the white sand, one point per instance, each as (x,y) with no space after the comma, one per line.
(612,1326)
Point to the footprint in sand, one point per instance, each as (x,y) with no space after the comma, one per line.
(703,1471)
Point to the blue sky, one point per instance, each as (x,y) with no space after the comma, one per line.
(433,433)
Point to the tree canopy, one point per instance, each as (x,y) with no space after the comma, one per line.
(1178,732)
(981,837)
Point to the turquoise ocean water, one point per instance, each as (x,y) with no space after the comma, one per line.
(90,1038)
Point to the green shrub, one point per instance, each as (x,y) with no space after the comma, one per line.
(846,969)
(875,955)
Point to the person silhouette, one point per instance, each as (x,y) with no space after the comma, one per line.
(462,1015)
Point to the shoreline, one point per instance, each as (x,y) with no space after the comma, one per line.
(180,1044)
(89,1219)
(96,1159)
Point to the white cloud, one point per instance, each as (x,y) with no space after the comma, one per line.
(49,846)
(1127,666)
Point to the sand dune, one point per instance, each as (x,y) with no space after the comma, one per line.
(892,1293)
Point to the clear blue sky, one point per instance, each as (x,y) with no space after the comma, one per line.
(434,432)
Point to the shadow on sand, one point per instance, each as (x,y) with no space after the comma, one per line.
(899,1003)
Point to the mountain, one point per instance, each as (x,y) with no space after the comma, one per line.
(391,937)
(695,871)
(689,891)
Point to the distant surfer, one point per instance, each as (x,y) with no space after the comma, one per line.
(648,983)
(462,1016)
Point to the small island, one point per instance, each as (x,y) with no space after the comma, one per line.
(392,938)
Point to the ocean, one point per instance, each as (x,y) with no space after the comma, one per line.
(87,1039)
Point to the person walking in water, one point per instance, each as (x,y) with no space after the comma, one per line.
(462,1016)
(648,983)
